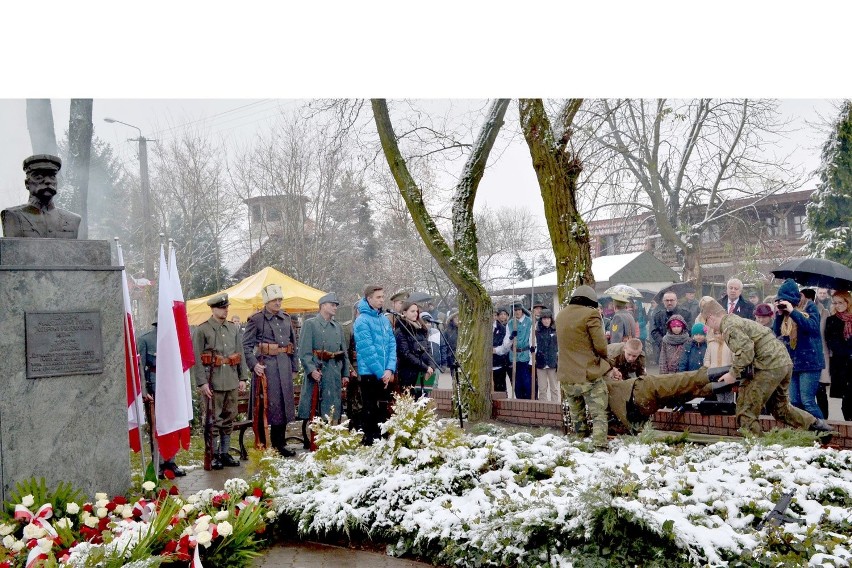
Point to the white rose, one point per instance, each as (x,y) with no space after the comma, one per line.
(100,503)
(270,514)
(192,499)
(101,496)
(186,531)
(6,529)
(222,515)
(28,501)
(201,526)
(203,538)
(149,486)
(18,546)
(33,531)
(118,509)
(127,512)
(102,512)
(188,508)
(8,541)
(225,528)
(64,523)
(91,522)
(45,544)
(72,508)
(204,519)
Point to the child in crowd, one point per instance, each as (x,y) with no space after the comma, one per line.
(693,353)
(673,344)
(764,314)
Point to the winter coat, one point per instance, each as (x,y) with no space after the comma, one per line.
(840,363)
(752,343)
(582,345)
(807,355)
(546,349)
(742,308)
(692,357)
(619,361)
(413,352)
(498,336)
(522,338)
(672,346)
(622,326)
(374,341)
(659,329)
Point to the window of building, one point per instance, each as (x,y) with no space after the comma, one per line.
(711,234)
(256,213)
(773,227)
(273,214)
(608,244)
(797,224)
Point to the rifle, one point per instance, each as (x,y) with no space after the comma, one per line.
(315,402)
(258,407)
(208,413)
(777,515)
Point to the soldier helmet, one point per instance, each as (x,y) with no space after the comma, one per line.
(272,292)
(586,292)
(42,162)
(219,301)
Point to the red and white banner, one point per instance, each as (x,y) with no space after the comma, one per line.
(187,354)
(135,412)
(173,410)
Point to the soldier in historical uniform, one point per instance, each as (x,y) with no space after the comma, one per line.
(147,349)
(269,344)
(220,373)
(583,363)
(39,217)
(627,358)
(622,326)
(756,345)
(396,306)
(322,352)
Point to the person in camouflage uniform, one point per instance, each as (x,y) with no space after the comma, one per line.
(217,344)
(582,363)
(756,345)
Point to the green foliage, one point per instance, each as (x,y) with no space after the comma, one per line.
(785,437)
(65,493)
(830,213)
(334,440)
(414,426)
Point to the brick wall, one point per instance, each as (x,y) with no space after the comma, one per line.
(549,414)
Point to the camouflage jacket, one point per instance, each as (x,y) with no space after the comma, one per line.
(752,343)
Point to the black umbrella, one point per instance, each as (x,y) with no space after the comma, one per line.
(647,295)
(816,272)
(419,297)
(679,288)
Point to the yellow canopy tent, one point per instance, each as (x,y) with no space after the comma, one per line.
(245,297)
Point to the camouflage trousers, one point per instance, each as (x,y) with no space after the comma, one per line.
(592,398)
(769,387)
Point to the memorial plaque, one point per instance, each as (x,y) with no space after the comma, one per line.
(63,343)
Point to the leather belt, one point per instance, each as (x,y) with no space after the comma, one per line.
(274,349)
(324,355)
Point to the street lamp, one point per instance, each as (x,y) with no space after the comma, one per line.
(147,250)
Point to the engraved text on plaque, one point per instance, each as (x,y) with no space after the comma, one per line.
(63,343)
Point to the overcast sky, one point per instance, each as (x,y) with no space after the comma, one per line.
(510,181)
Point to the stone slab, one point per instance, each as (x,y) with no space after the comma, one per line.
(54,253)
(69,428)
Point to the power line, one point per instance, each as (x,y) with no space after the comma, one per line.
(213,116)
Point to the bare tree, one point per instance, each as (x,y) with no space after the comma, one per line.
(683,160)
(40,125)
(79,155)
(461,261)
(558,168)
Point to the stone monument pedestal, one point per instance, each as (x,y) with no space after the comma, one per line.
(63,400)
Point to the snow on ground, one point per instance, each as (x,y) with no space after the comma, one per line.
(505,499)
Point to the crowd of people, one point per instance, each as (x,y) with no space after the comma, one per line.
(787,354)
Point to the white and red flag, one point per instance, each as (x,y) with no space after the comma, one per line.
(173,410)
(135,412)
(187,354)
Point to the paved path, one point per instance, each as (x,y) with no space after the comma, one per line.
(294,554)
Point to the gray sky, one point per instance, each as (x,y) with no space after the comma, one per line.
(509,181)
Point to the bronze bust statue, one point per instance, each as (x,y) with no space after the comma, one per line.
(39,217)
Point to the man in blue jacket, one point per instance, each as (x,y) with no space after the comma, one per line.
(376,348)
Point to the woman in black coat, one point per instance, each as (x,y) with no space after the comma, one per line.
(413,352)
(838,338)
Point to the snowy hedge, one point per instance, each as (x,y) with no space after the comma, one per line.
(500,499)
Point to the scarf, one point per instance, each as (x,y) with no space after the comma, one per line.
(846,317)
(790,329)
(672,339)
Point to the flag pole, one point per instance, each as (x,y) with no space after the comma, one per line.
(135,358)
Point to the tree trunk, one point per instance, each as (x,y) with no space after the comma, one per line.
(557,170)
(40,125)
(460,264)
(79,153)
(692,262)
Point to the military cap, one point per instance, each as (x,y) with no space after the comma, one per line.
(330,298)
(42,162)
(401,295)
(219,301)
(272,292)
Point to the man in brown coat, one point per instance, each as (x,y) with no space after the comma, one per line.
(583,363)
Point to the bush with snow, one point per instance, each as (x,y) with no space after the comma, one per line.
(501,499)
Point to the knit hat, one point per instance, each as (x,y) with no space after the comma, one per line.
(699,329)
(789,291)
(674,318)
(763,310)
(545,313)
